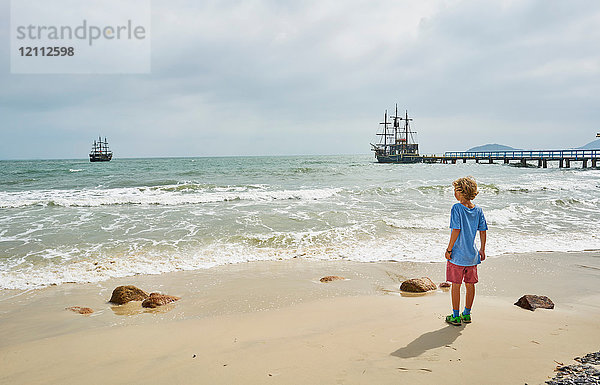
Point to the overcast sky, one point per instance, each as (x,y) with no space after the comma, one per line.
(267,77)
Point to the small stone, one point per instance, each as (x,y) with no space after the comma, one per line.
(576,374)
(418,285)
(532,302)
(591,358)
(80,310)
(157,299)
(124,294)
(445,284)
(330,278)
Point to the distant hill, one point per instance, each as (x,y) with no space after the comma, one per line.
(594,145)
(492,147)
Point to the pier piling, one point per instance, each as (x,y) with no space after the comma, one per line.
(562,157)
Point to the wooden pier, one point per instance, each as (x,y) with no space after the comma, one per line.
(565,158)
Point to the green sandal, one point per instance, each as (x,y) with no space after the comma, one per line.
(456,321)
(466,318)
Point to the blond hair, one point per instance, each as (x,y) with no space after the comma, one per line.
(466,186)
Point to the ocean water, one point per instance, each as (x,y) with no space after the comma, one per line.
(76,221)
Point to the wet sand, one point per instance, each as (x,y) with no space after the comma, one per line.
(275,322)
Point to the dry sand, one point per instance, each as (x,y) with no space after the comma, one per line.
(274,322)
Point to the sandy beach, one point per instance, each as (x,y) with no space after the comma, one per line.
(222,157)
(274,322)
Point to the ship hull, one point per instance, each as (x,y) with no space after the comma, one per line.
(100,158)
(403,159)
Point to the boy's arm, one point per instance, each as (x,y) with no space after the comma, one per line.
(453,238)
(482,237)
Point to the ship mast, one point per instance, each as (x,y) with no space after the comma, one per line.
(407,131)
(396,125)
(406,126)
(385,134)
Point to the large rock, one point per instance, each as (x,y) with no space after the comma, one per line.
(80,310)
(157,299)
(124,294)
(330,278)
(532,302)
(418,285)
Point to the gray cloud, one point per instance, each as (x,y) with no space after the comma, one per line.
(270,77)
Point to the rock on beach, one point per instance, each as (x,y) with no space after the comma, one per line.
(582,373)
(123,294)
(157,299)
(330,278)
(80,310)
(532,302)
(418,285)
(591,358)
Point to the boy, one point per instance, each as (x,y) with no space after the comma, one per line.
(462,255)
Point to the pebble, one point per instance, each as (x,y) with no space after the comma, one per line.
(582,373)
(591,358)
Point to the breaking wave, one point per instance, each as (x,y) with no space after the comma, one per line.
(164,195)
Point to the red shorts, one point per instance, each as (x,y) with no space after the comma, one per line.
(456,274)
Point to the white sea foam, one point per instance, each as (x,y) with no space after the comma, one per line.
(415,222)
(151,196)
(405,246)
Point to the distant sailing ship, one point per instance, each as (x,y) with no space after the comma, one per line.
(100,151)
(397,145)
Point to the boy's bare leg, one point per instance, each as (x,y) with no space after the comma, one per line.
(456,296)
(470,295)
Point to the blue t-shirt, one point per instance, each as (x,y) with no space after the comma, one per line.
(469,221)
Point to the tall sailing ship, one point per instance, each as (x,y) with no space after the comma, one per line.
(100,151)
(397,144)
